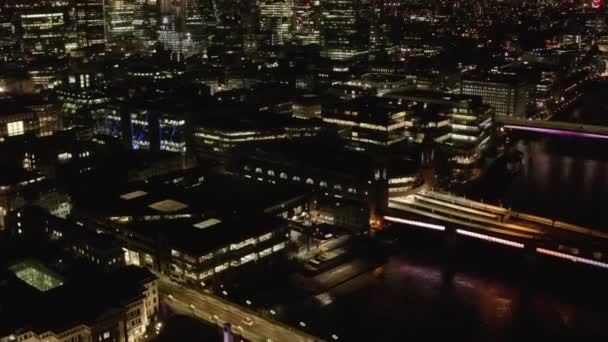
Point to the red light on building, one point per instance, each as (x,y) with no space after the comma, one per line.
(596,3)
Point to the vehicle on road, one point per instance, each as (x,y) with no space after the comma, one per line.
(247,321)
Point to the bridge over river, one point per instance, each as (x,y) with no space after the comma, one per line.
(458,216)
(555,127)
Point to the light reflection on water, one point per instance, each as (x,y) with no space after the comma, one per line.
(561,178)
(413,299)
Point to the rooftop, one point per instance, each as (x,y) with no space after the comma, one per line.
(191,235)
(37,275)
(191,194)
(325,154)
(240,118)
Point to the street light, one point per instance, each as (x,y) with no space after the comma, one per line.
(272,312)
(302,324)
(335,337)
(248,302)
(225,293)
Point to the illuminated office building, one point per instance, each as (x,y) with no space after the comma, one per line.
(43,30)
(276,18)
(84,110)
(344,31)
(172,133)
(306,22)
(193,234)
(179,42)
(140,121)
(508,93)
(229,35)
(462,126)
(369,120)
(24,115)
(120,19)
(216,137)
(89,22)
(148,128)
(145,24)
(9,47)
(199,15)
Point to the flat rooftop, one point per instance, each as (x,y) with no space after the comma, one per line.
(327,155)
(37,275)
(192,194)
(241,118)
(201,235)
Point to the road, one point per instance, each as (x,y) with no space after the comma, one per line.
(218,311)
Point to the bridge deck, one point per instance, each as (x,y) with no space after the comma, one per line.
(555,127)
(437,210)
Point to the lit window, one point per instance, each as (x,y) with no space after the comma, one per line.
(15,128)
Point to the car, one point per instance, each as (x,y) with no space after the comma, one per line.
(247,321)
(314,261)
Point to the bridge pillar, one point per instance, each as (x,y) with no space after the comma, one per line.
(530,264)
(449,255)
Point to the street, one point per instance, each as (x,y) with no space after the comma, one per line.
(218,311)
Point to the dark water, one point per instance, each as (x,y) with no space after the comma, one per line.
(561,178)
(472,293)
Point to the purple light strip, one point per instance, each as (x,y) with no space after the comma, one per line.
(558,132)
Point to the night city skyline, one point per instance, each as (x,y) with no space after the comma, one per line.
(303,170)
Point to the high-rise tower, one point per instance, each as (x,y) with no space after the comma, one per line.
(345,31)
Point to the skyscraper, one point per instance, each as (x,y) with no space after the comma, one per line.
(306,23)
(345,33)
(43,30)
(89,22)
(120,15)
(199,15)
(275,19)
